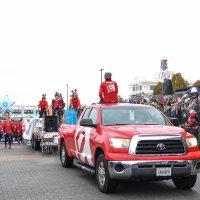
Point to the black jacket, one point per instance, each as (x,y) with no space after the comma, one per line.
(167,87)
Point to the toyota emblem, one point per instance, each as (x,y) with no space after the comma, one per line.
(161,147)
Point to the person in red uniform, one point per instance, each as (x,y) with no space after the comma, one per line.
(14,130)
(17,129)
(43,106)
(57,106)
(1,129)
(108,91)
(75,101)
(62,110)
(8,131)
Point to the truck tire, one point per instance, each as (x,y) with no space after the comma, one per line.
(36,144)
(32,142)
(105,183)
(185,183)
(66,160)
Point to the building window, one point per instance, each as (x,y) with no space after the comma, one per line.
(140,87)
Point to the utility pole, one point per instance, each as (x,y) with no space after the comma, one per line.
(101,70)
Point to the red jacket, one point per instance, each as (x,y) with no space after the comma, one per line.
(43,104)
(8,127)
(17,128)
(75,103)
(56,104)
(108,92)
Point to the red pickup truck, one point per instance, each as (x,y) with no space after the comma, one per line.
(127,141)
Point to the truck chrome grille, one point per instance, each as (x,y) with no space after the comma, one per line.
(146,147)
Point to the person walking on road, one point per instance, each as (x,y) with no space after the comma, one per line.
(8,131)
(1,130)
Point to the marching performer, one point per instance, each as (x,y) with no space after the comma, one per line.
(43,106)
(62,110)
(108,91)
(19,131)
(75,101)
(57,106)
(8,131)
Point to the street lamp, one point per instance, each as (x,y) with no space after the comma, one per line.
(101,70)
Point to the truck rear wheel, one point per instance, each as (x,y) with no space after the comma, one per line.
(32,142)
(66,160)
(36,144)
(105,183)
(185,183)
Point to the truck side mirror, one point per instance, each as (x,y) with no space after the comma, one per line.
(87,122)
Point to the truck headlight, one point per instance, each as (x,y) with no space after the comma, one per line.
(120,143)
(191,142)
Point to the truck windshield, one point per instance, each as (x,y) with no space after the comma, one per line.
(132,116)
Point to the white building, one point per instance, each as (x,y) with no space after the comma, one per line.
(144,88)
(22,109)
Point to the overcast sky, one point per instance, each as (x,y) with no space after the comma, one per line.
(46,44)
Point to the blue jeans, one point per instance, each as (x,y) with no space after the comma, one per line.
(42,113)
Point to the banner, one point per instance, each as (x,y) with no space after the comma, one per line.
(28,131)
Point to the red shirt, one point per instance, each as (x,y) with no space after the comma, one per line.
(108,92)
(43,104)
(56,104)
(8,127)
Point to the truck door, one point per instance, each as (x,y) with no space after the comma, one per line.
(89,134)
(79,138)
(83,139)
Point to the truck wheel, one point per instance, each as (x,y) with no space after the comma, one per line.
(66,161)
(36,144)
(185,183)
(32,143)
(105,183)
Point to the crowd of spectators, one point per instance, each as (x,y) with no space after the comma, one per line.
(185,109)
(175,107)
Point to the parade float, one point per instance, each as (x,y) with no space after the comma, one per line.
(43,132)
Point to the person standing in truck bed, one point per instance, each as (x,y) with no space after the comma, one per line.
(108,91)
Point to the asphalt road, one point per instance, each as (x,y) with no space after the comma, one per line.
(26,174)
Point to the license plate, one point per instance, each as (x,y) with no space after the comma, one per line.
(163,172)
